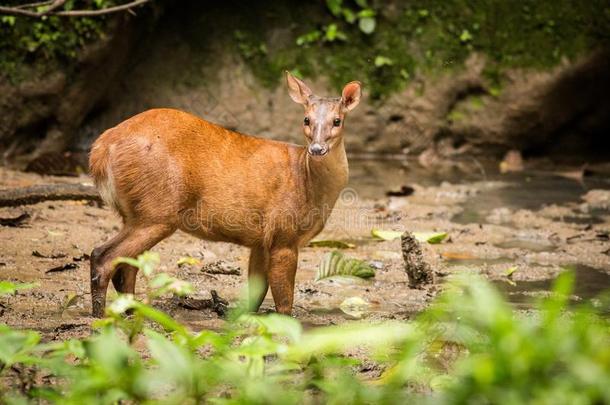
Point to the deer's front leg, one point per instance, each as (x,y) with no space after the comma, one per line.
(257,277)
(282,270)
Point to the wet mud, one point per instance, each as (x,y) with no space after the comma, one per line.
(532,224)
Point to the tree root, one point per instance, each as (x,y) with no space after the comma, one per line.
(418,270)
(47,192)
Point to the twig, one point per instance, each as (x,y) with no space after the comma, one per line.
(22,11)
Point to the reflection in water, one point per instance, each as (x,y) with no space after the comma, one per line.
(589,283)
(530,192)
(373,178)
(532,246)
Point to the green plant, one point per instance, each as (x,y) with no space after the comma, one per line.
(336,264)
(469,346)
(48,42)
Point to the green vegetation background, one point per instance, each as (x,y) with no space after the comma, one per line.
(386,43)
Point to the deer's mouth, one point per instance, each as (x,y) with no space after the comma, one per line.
(316,149)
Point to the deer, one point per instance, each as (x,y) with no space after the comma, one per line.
(165,170)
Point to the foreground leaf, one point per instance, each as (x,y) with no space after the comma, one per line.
(8,288)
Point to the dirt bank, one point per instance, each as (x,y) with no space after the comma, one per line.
(216,61)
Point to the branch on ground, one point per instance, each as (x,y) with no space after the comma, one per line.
(54,8)
(47,192)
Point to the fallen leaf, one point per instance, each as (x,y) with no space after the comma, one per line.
(336,264)
(36,253)
(429,237)
(386,235)
(457,256)
(63,267)
(354,306)
(335,244)
(509,272)
(188,261)
(432,238)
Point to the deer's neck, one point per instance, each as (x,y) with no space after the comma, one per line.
(326,176)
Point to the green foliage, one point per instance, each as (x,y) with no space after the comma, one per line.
(385,46)
(468,347)
(48,42)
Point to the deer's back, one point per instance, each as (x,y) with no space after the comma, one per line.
(170,166)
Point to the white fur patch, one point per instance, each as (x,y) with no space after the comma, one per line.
(107,190)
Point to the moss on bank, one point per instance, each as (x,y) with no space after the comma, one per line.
(49,43)
(407,38)
(425,36)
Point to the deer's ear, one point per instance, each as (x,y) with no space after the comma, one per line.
(297,89)
(350,97)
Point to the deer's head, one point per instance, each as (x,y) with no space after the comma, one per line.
(324,117)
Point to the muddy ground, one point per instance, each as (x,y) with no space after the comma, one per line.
(538,221)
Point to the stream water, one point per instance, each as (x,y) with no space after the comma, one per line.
(528,190)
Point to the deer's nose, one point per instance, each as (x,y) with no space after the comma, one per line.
(315,149)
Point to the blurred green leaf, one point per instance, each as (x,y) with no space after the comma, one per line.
(8,288)
(381,61)
(367,25)
(465,36)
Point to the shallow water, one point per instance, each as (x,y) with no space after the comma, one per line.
(532,246)
(531,192)
(589,284)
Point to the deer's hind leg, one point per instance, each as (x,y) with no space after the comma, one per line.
(124,279)
(130,242)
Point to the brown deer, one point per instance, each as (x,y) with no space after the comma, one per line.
(165,169)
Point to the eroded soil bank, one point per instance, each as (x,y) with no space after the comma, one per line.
(536,221)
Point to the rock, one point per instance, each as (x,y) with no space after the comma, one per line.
(597,199)
(512,162)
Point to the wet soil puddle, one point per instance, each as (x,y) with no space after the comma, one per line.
(589,284)
(530,192)
(478,262)
(530,245)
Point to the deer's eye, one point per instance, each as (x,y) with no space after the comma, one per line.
(306,121)
(337,122)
